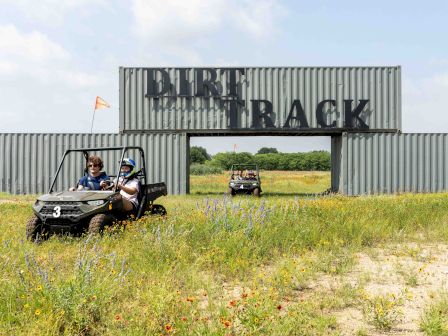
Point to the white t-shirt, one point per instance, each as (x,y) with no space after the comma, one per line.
(133,183)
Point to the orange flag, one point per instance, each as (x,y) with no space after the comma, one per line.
(100,103)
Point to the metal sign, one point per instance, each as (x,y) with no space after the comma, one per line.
(327,99)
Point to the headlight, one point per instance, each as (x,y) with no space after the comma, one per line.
(97,202)
(232,184)
(254,184)
(39,203)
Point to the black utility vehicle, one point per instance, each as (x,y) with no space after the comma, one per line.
(64,211)
(245,179)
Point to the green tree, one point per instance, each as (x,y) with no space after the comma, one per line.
(198,155)
(267,150)
(227,159)
(267,161)
(316,160)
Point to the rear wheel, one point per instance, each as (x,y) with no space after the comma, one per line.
(36,230)
(98,223)
(158,209)
(257,192)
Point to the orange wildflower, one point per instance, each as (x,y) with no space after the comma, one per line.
(168,328)
(226,323)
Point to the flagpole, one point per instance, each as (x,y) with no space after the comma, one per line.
(93,118)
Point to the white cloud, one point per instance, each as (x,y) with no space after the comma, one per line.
(424,104)
(7,68)
(34,46)
(177,32)
(171,22)
(35,56)
(259,18)
(51,12)
(42,88)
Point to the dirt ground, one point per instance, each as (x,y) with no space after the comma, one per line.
(413,274)
(416,273)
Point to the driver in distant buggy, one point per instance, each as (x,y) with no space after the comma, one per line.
(251,175)
(129,185)
(238,176)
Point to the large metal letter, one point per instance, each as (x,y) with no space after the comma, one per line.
(350,115)
(320,113)
(152,83)
(257,115)
(232,108)
(233,87)
(210,83)
(184,87)
(299,116)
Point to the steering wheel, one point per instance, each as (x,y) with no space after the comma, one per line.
(109,186)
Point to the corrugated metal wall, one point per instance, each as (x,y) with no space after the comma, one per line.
(281,86)
(362,163)
(28,161)
(336,157)
(391,163)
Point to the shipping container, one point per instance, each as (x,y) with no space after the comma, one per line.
(384,163)
(29,161)
(253,99)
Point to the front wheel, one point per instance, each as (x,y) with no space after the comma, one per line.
(98,223)
(36,230)
(230,191)
(257,192)
(158,209)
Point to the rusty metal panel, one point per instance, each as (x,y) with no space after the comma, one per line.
(181,104)
(384,163)
(28,161)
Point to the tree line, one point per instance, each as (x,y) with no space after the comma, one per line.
(266,158)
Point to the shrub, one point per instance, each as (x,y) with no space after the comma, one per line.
(383,311)
(198,155)
(227,159)
(202,169)
(435,318)
(267,150)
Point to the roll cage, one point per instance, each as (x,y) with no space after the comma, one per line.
(124,149)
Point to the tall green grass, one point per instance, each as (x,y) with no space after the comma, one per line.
(272,182)
(214,265)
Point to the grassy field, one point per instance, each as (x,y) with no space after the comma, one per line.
(278,265)
(272,183)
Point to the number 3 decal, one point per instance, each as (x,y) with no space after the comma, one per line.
(56,211)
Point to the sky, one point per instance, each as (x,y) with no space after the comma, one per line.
(56,56)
